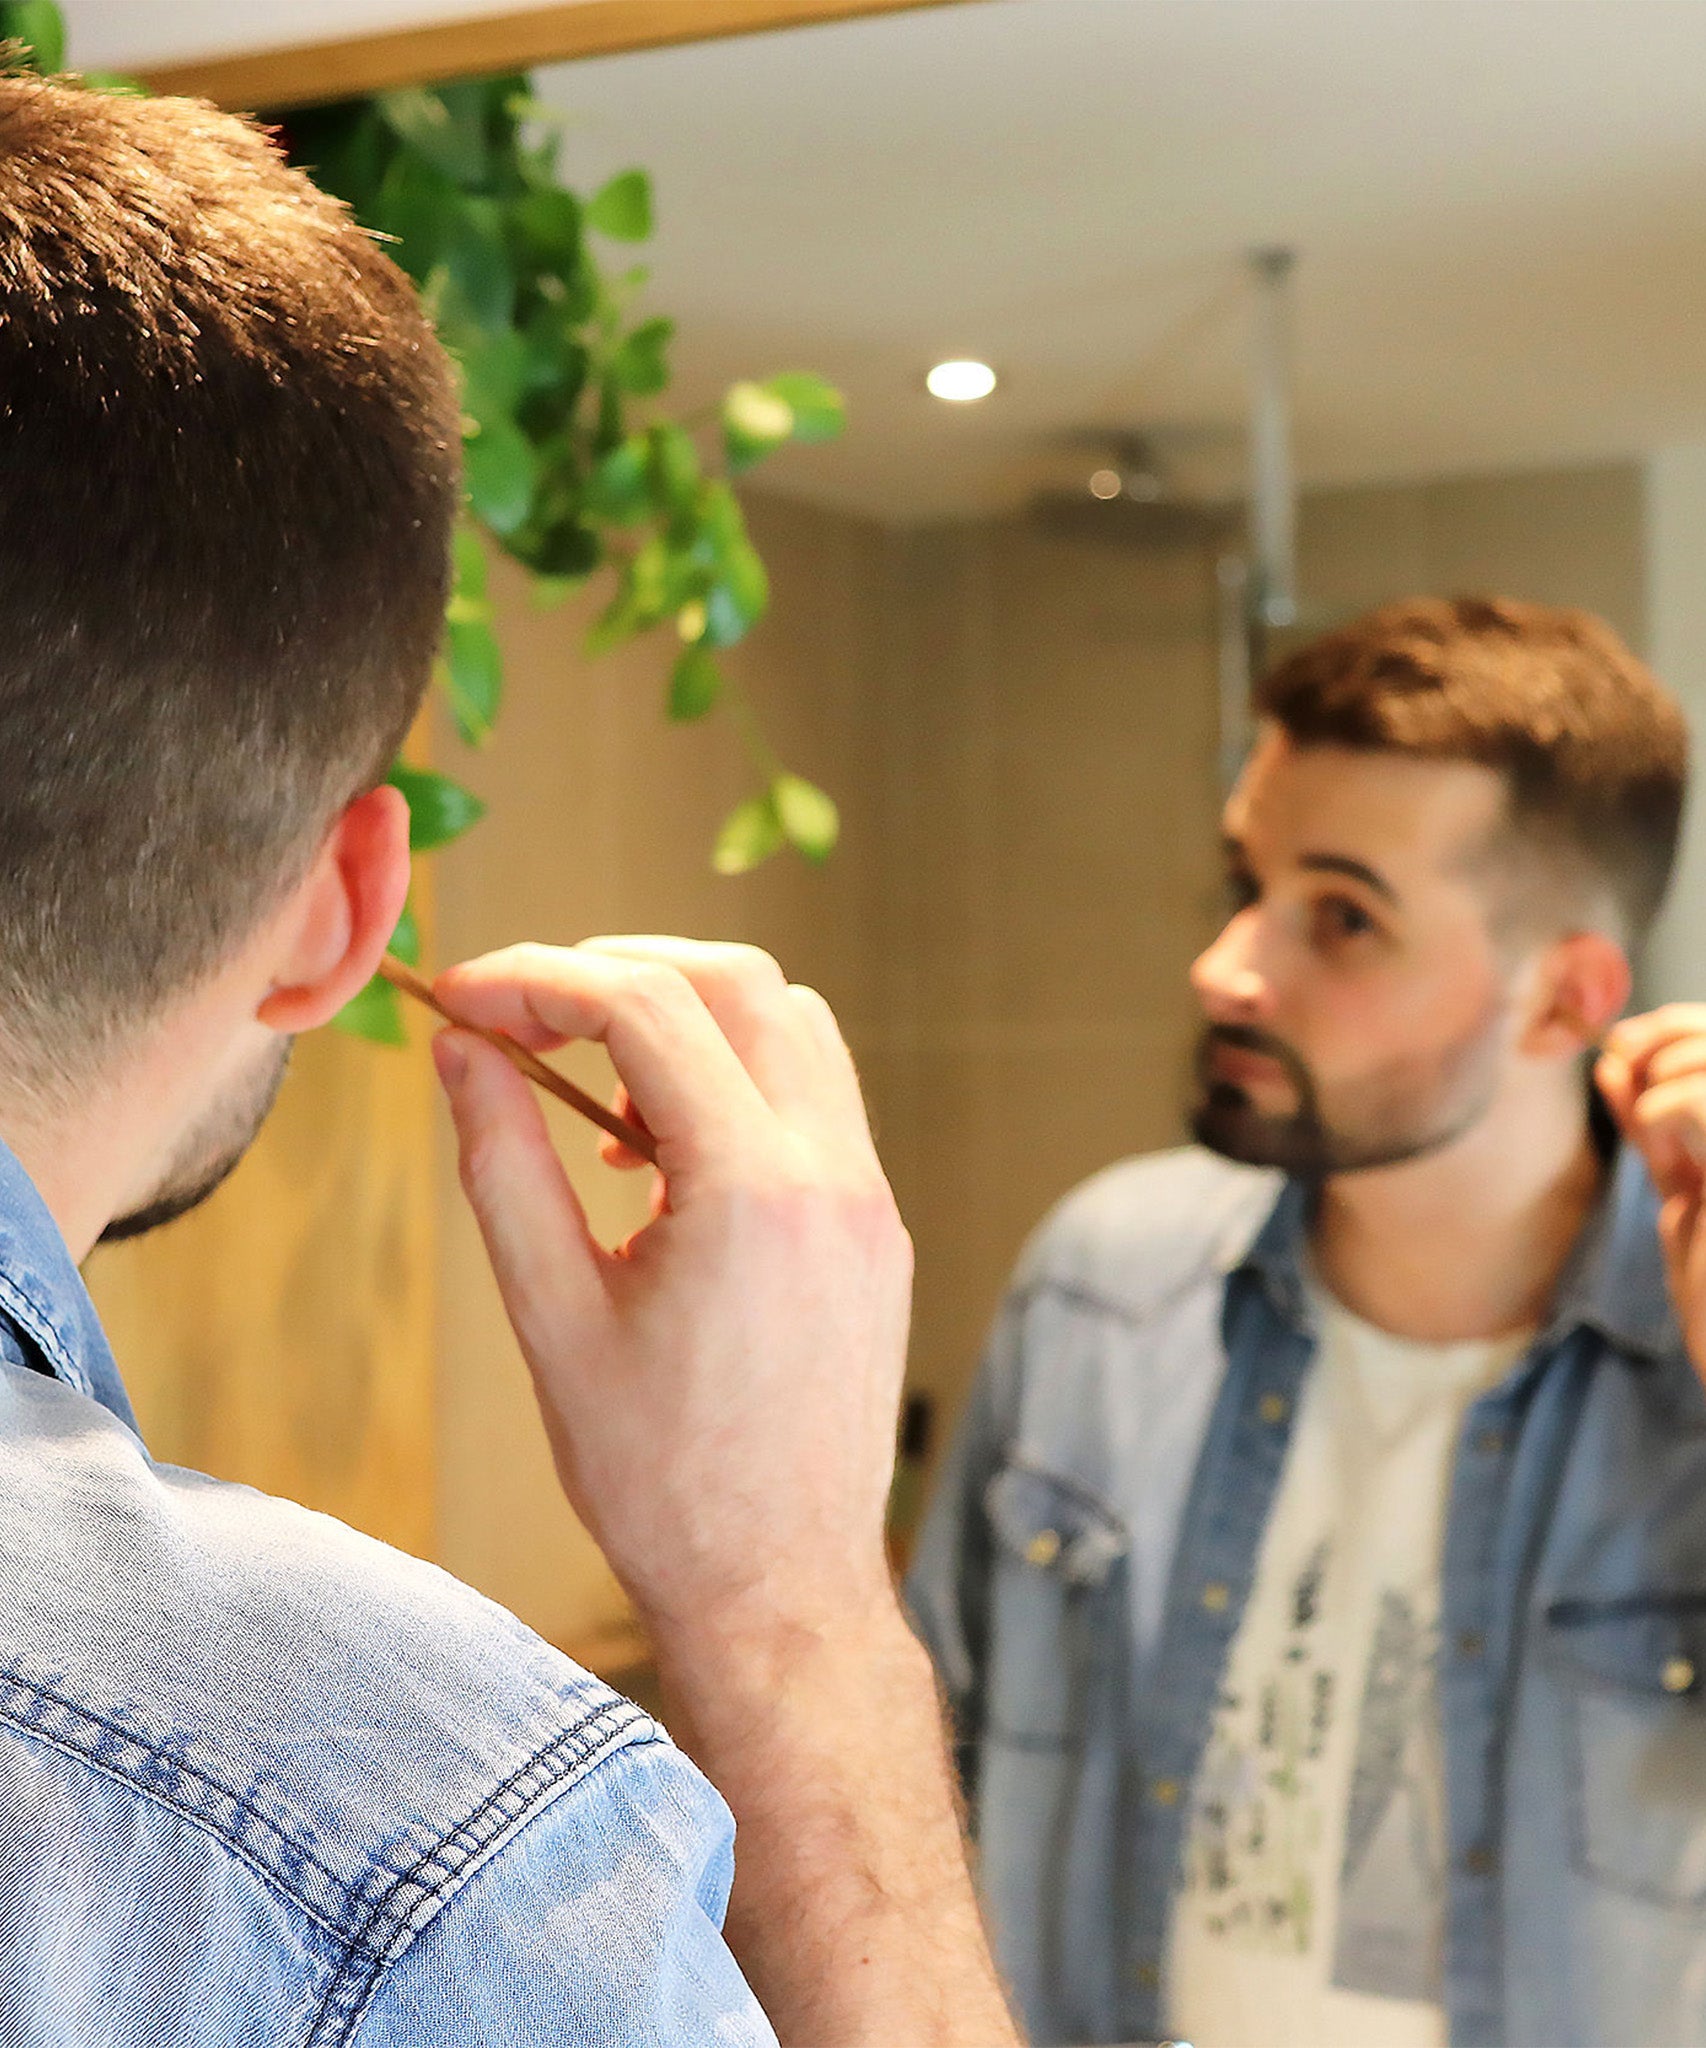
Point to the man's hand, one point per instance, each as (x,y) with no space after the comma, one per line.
(1652,1074)
(721,1393)
(721,1398)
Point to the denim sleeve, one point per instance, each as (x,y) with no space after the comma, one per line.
(947,1587)
(599,1922)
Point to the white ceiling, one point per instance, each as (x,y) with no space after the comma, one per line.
(1499,205)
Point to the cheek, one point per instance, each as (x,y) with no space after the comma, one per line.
(1390,1017)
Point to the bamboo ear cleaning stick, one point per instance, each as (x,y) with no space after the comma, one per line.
(636,1140)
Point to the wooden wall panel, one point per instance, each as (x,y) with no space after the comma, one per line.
(309,72)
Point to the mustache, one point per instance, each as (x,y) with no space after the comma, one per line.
(1249,1038)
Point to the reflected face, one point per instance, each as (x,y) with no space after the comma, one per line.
(1359,1011)
(211,1150)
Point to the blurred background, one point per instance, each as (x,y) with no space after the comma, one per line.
(1006,634)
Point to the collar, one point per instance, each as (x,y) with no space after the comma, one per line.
(44,1306)
(1613,1281)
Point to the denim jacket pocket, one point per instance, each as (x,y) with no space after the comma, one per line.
(1057,1620)
(1634,1672)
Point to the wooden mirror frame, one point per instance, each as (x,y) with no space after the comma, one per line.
(309,72)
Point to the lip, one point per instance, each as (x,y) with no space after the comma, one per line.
(1232,1063)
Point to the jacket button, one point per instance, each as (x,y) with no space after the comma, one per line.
(1471,1643)
(1044,1547)
(1273,1407)
(1479,1861)
(1215,1596)
(1148,1976)
(1491,1443)
(1165,1791)
(1678,1675)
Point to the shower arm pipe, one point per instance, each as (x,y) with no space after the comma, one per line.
(1273,488)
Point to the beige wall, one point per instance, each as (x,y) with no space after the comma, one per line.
(1021,732)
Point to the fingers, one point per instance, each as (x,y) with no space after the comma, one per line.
(785,1036)
(1636,1040)
(547,1263)
(1668,1122)
(784,1039)
(679,1069)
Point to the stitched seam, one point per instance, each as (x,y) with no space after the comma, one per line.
(207,1827)
(24,1311)
(1134,1317)
(572,1752)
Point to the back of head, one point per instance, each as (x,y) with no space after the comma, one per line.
(1593,750)
(228,466)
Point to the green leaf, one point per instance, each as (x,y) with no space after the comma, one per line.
(443,127)
(473,668)
(439,810)
(501,472)
(619,489)
(375,1014)
(623,208)
(40,24)
(674,466)
(694,684)
(118,83)
(751,833)
(639,364)
(738,599)
(418,205)
(468,559)
(807,815)
(479,264)
(406,939)
(547,592)
(755,420)
(547,229)
(820,411)
(496,371)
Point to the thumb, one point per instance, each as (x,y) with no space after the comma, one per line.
(545,1257)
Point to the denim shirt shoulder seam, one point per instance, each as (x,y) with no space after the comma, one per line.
(81,1720)
(398,1915)
(1133,1314)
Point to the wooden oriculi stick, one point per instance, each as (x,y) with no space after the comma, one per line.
(405,978)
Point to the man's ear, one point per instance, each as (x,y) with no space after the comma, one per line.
(341,915)
(1583,984)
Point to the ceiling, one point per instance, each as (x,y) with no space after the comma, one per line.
(1499,208)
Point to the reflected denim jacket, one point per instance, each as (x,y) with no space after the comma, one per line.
(263,1780)
(1094,1536)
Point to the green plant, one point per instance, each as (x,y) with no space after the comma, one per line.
(572,465)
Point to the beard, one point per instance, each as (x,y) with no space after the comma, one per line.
(210,1152)
(1400,1113)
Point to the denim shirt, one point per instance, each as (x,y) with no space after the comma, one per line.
(1094,1537)
(263,1780)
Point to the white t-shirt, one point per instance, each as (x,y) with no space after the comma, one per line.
(1311,1906)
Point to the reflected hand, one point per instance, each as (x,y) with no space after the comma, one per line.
(1652,1074)
(720,1393)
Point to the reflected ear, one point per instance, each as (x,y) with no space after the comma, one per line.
(341,915)
(1583,985)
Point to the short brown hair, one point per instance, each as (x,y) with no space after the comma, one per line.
(1593,749)
(228,467)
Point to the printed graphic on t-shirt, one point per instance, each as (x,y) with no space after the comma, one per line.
(1256,1841)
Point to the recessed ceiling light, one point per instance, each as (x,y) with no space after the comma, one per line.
(1105,483)
(960,382)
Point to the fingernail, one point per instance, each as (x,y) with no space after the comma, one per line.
(450,1060)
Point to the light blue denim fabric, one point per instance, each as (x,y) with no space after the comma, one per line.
(1118,1462)
(263,1780)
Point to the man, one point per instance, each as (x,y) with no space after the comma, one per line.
(263,1780)
(1320,1573)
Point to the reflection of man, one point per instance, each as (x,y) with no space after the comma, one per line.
(264,1781)
(1320,1573)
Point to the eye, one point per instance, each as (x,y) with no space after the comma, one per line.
(1241,889)
(1337,919)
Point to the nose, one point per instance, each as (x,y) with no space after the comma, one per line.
(1227,975)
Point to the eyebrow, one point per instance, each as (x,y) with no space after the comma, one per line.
(1325,864)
